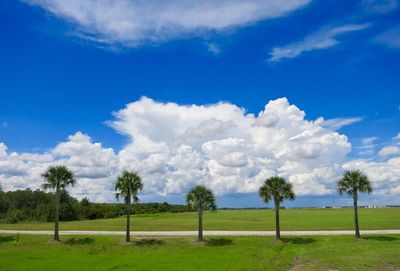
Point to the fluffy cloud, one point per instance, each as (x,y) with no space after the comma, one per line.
(229,150)
(385,176)
(86,159)
(134,22)
(323,39)
(175,146)
(93,166)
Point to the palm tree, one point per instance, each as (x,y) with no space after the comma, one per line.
(128,184)
(351,183)
(57,178)
(201,198)
(278,189)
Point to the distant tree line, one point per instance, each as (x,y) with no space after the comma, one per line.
(38,205)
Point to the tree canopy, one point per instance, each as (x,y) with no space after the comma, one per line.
(353,181)
(277,189)
(128,185)
(58,177)
(201,195)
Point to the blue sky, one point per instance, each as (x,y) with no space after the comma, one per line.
(66,68)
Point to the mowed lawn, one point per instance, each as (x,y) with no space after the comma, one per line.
(236,253)
(291,219)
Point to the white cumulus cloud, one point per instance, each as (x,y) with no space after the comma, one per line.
(174,147)
(94,167)
(385,176)
(231,151)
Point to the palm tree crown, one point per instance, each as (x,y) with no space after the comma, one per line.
(354,181)
(128,184)
(58,178)
(276,188)
(201,196)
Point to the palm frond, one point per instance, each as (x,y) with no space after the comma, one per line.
(354,181)
(128,185)
(276,189)
(58,177)
(201,196)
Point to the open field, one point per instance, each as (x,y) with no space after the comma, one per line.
(229,253)
(239,220)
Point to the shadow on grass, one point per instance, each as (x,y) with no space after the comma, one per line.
(5,239)
(148,242)
(218,242)
(298,240)
(380,238)
(79,241)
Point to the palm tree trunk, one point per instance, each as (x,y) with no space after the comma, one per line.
(57,215)
(200,214)
(356,227)
(128,220)
(277,224)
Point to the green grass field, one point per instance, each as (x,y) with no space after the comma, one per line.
(291,219)
(237,253)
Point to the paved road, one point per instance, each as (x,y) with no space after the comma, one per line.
(194,233)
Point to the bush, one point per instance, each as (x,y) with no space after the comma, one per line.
(21,205)
(14,217)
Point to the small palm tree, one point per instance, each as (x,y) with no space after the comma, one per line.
(57,178)
(351,183)
(201,198)
(128,184)
(278,189)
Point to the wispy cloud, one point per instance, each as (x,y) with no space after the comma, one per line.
(390,38)
(367,152)
(389,150)
(367,147)
(338,123)
(213,48)
(369,140)
(323,39)
(135,22)
(379,6)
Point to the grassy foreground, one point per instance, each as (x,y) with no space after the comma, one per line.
(291,219)
(237,253)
